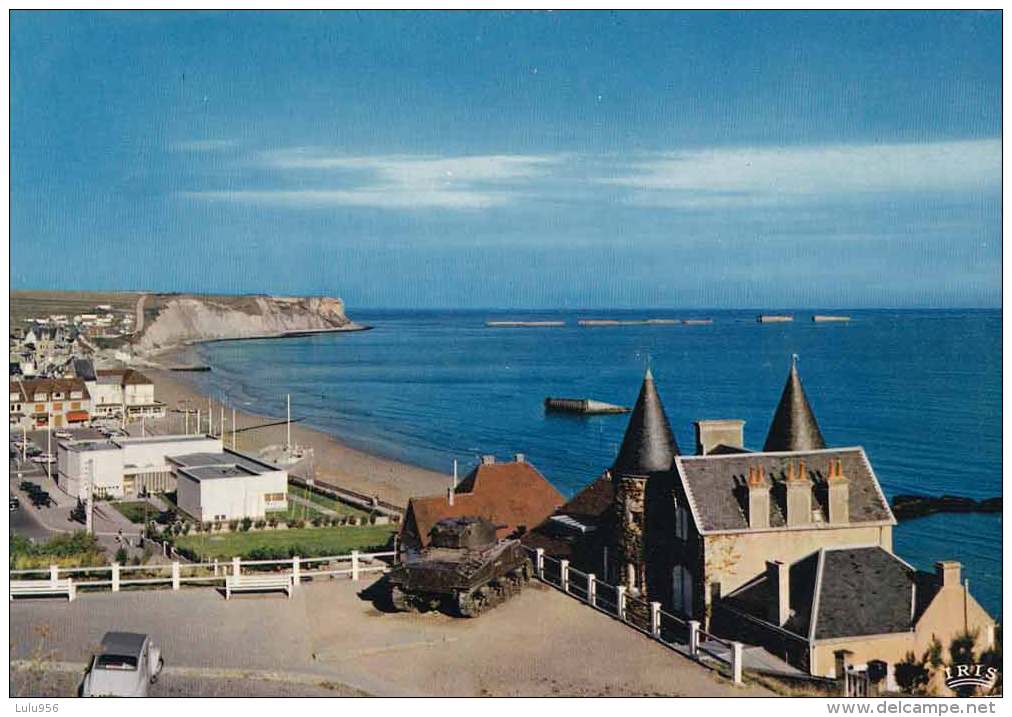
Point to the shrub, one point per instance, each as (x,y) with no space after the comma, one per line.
(272,521)
(297,523)
(352,520)
(233,525)
(317,522)
(121,556)
(911,674)
(246,524)
(186,528)
(217,525)
(259,524)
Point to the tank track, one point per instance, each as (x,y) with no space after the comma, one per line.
(494,593)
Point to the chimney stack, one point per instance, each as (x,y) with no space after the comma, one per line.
(758,499)
(778,577)
(799,496)
(723,432)
(948,573)
(487,460)
(838,488)
(520,458)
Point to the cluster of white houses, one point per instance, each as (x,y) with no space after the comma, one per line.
(116,394)
(212,483)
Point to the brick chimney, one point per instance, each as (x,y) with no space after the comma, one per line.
(778,577)
(948,573)
(799,496)
(724,432)
(758,499)
(838,488)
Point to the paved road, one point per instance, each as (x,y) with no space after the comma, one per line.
(540,643)
(23,522)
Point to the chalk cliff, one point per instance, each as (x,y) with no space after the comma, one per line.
(166,321)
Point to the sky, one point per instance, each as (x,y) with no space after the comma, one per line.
(499,159)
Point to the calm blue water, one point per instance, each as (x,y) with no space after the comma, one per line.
(920,390)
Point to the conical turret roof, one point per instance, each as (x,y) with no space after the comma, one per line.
(648,445)
(794,427)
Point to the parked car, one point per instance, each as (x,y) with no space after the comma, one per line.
(44,458)
(126,666)
(15,503)
(63,434)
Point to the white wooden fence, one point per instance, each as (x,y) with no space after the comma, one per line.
(177,574)
(684,636)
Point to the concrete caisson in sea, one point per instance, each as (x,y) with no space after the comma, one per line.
(582,405)
(775,318)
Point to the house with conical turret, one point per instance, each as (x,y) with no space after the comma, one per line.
(789,547)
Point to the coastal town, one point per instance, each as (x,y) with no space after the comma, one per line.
(495,353)
(768,570)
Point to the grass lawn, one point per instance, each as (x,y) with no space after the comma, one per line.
(134,510)
(309,542)
(296,511)
(326,501)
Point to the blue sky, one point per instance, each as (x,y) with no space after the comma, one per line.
(700,159)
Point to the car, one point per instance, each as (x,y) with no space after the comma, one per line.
(63,434)
(15,503)
(126,665)
(44,458)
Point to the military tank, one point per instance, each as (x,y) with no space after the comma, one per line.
(464,570)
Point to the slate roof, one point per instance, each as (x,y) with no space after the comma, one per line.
(510,494)
(648,445)
(125,376)
(794,427)
(715,487)
(840,592)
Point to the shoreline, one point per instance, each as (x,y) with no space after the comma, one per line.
(390,480)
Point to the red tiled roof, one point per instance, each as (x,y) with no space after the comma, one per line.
(27,388)
(513,495)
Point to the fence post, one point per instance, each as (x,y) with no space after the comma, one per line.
(655,619)
(736,659)
(354,565)
(216,567)
(592,589)
(564,575)
(175,575)
(694,637)
(540,563)
(236,567)
(620,601)
(296,578)
(54,573)
(115,577)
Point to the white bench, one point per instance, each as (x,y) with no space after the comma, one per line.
(44,587)
(267,581)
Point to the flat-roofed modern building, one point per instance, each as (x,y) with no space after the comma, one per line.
(228,485)
(124,467)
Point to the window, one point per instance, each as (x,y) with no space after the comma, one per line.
(681,589)
(75,405)
(57,406)
(682,523)
(637,518)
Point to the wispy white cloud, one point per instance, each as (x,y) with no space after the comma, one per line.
(390,181)
(379,198)
(765,176)
(714,179)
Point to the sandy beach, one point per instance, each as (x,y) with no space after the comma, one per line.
(336,463)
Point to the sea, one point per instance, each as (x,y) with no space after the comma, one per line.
(920,390)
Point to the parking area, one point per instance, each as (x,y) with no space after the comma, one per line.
(540,643)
